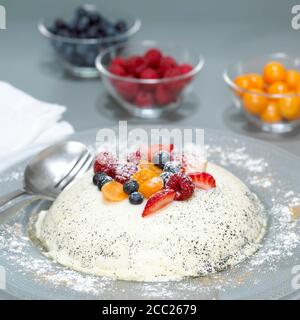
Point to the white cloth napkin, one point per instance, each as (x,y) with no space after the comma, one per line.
(26,122)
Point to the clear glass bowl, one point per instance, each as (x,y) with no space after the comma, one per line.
(125,89)
(78,55)
(256,66)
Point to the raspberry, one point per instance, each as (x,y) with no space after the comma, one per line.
(117,70)
(163,96)
(176,85)
(144,99)
(171,73)
(105,162)
(118,61)
(132,64)
(128,90)
(165,64)
(134,157)
(149,73)
(185,68)
(152,57)
(182,185)
(124,172)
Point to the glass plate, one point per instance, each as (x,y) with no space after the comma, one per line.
(269,274)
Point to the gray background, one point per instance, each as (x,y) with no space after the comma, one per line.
(223,31)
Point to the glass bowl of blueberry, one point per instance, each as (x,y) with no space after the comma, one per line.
(149,79)
(79,38)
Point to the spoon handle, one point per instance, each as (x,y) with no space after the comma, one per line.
(11,196)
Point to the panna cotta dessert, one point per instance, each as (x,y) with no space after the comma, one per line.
(152,218)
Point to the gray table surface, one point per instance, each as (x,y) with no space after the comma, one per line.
(28,63)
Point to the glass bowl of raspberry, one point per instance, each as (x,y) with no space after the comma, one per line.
(148,79)
(78,38)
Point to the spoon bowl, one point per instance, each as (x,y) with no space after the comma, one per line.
(45,172)
(48,174)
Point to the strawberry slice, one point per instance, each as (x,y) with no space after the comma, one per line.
(158,201)
(203,180)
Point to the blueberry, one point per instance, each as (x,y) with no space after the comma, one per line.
(172,167)
(131,186)
(72,25)
(59,24)
(103,182)
(92,32)
(80,12)
(63,32)
(68,50)
(136,198)
(90,58)
(166,176)
(121,26)
(161,158)
(83,24)
(95,17)
(110,31)
(99,176)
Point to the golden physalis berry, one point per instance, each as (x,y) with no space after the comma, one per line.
(149,187)
(113,191)
(144,164)
(290,108)
(271,114)
(278,87)
(143,175)
(256,81)
(242,82)
(293,79)
(274,71)
(255,103)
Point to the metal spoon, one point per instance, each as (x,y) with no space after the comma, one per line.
(52,170)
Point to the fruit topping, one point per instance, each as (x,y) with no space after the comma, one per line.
(124,172)
(203,180)
(130,186)
(155,148)
(136,198)
(158,201)
(182,185)
(113,191)
(172,167)
(166,176)
(105,162)
(152,186)
(143,175)
(134,157)
(98,177)
(161,158)
(103,181)
(149,165)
